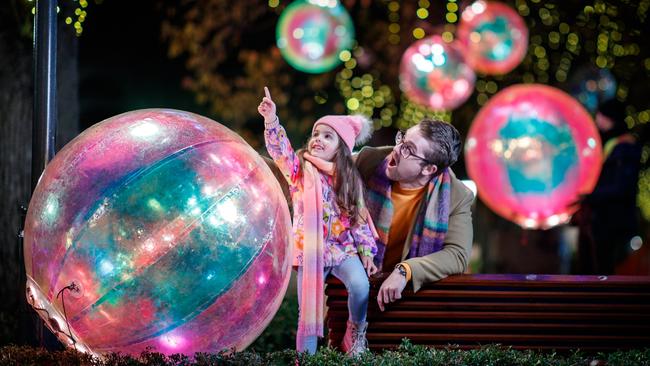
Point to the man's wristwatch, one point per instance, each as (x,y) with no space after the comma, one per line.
(402,270)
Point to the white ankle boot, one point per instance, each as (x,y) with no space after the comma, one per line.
(354,342)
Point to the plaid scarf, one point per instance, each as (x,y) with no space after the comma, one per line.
(430,228)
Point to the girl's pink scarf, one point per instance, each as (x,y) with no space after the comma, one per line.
(310,320)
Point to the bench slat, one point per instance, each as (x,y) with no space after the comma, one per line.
(533,294)
(539,312)
(546,281)
(379,326)
(503,338)
(490,306)
(503,315)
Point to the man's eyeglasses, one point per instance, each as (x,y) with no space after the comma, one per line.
(406,150)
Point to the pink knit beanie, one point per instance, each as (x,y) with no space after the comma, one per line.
(354,130)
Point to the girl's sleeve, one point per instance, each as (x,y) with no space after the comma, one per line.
(279,147)
(364,239)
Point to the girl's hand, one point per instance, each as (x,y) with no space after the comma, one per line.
(267,107)
(369,265)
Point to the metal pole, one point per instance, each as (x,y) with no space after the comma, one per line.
(44,120)
(45,111)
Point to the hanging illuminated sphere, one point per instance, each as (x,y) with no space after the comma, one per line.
(592,86)
(312,33)
(434,74)
(157,228)
(533,151)
(493,37)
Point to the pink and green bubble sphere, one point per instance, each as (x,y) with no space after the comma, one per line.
(434,74)
(533,151)
(171,230)
(493,37)
(311,34)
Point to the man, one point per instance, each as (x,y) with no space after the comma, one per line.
(422,212)
(608,215)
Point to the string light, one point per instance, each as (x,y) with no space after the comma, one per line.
(422,13)
(393,27)
(364,94)
(79,15)
(412,113)
(418,33)
(452,12)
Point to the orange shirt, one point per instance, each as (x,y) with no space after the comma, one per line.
(405,205)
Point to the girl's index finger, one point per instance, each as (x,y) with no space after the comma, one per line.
(267,93)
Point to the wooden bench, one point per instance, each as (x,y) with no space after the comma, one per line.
(544,312)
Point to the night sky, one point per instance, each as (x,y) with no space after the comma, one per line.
(123,64)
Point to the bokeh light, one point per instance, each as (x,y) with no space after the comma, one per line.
(493,37)
(533,151)
(311,34)
(591,86)
(158,228)
(434,74)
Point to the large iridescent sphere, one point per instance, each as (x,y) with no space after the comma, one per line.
(533,151)
(434,74)
(312,33)
(493,37)
(157,228)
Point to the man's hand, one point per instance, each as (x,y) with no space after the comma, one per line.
(391,289)
(368,264)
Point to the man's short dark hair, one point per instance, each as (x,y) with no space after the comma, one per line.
(444,141)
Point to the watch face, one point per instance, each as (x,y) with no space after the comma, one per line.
(401,269)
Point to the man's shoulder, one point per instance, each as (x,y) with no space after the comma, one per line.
(379,152)
(369,158)
(460,193)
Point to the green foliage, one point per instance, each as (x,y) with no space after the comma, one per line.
(406,355)
(28,356)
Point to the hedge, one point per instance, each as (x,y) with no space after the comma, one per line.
(406,355)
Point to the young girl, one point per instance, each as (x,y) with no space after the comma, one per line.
(331,227)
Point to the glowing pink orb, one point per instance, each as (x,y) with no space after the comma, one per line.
(158,228)
(311,34)
(532,151)
(493,37)
(434,74)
